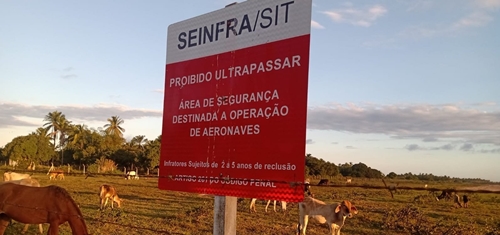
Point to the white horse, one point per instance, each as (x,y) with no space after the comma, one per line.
(9,176)
(132,175)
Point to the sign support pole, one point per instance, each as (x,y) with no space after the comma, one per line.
(225,215)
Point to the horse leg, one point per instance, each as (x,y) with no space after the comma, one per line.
(252,205)
(25,228)
(105,202)
(53,229)
(4,222)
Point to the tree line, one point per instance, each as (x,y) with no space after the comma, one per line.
(61,142)
(319,168)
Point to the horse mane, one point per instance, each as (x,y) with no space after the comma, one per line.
(63,194)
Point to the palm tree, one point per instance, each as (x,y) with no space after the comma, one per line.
(78,140)
(139,141)
(65,128)
(113,127)
(52,125)
(77,136)
(136,146)
(42,132)
(57,124)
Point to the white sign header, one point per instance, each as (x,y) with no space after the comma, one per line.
(242,25)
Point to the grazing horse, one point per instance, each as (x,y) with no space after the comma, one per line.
(132,175)
(446,194)
(107,192)
(35,205)
(56,175)
(32,183)
(9,176)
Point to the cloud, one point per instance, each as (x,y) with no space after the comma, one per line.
(12,112)
(444,147)
(466,124)
(497,150)
(475,19)
(447,147)
(7,121)
(316,25)
(413,147)
(68,76)
(485,104)
(161,91)
(68,69)
(480,14)
(337,17)
(446,122)
(66,73)
(359,17)
(430,139)
(350,147)
(467,147)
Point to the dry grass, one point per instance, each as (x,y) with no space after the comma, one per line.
(146,210)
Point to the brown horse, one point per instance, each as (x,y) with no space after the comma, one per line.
(28,182)
(32,205)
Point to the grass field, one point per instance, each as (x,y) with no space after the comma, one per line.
(146,210)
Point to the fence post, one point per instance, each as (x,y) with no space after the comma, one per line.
(224,215)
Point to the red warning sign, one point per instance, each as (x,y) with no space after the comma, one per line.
(235,107)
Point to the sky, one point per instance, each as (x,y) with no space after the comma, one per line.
(402,86)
